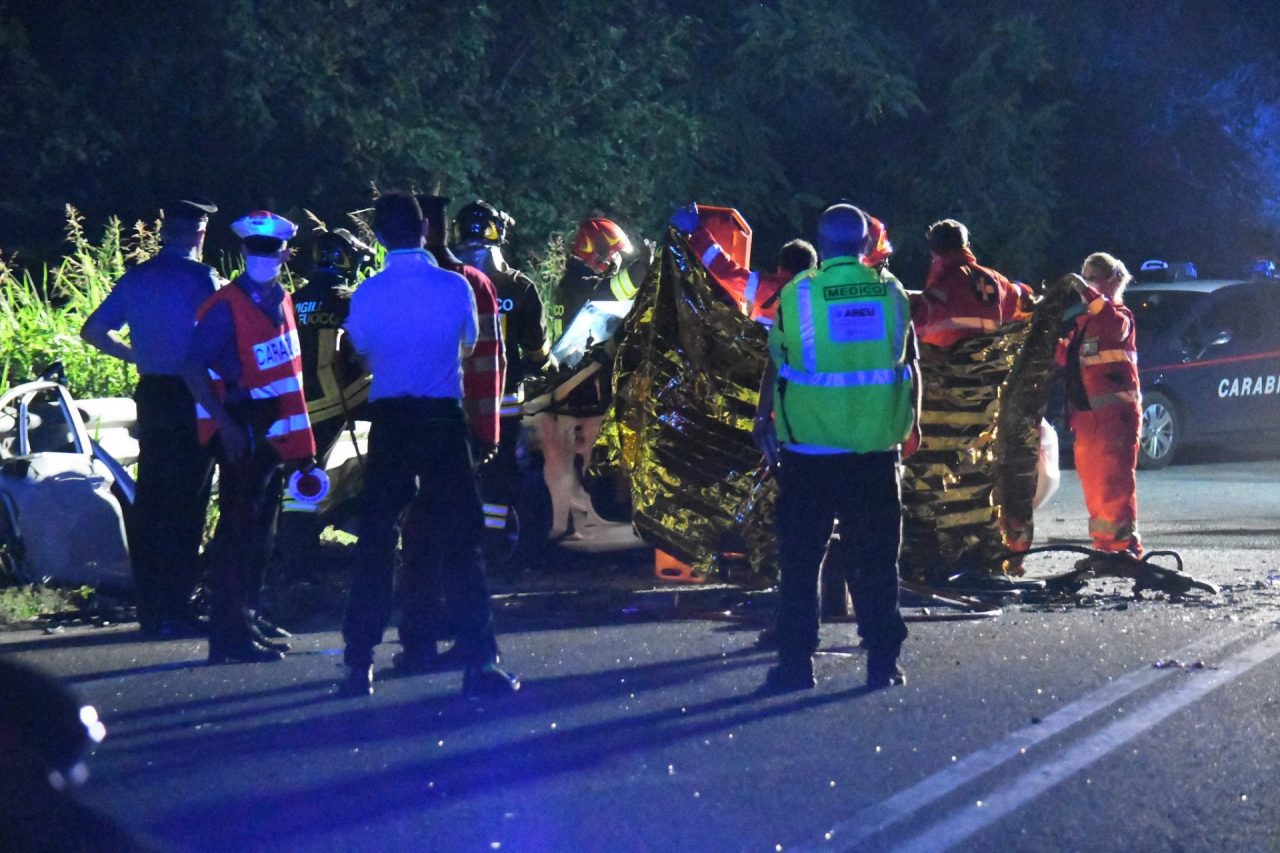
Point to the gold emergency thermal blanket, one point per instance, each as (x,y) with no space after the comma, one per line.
(686,382)
(967,492)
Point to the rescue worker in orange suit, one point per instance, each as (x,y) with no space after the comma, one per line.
(335,383)
(482,232)
(1103,403)
(603,265)
(962,298)
(754,292)
(245,372)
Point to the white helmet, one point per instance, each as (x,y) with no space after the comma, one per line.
(264,223)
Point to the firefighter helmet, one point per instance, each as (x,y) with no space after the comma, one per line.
(878,246)
(598,243)
(340,250)
(481,222)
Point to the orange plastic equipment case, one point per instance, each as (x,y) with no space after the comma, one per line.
(730,230)
(668,568)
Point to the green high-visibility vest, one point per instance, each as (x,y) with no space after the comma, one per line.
(840,345)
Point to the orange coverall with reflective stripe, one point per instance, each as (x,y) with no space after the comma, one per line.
(1101,359)
(750,290)
(962,298)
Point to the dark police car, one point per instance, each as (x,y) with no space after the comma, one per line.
(1208,359)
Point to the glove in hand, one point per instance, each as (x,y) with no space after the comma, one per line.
(685,219)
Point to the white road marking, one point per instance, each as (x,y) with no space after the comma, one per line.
(1073,758)
(847,834)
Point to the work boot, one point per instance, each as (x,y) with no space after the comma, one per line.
(262,638)
(356,680)
(883,670)
(789,676)
(268,628)
(488,681)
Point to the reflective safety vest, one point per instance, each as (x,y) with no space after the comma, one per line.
(622,286)
(270,373)
(840,344)
(1101,356)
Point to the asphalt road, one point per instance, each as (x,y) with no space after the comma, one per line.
(1116,724)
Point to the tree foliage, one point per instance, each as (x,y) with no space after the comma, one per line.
(1050,129)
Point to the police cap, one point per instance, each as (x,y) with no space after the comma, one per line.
(192,208)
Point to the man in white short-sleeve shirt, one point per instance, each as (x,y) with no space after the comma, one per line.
(413,323)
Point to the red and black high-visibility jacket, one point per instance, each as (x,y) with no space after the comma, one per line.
(484,371)
(270,374)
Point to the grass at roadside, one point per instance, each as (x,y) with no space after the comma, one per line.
(41,312)
(21,605)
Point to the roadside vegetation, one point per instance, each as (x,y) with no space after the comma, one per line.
(41,310)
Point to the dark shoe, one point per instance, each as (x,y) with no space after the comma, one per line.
(262,639)
(789,677)
(487,681)
(267,628)
(883,670)
(356,681)
(243,649)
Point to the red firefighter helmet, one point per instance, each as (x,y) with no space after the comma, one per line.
(598,242)
(878,246)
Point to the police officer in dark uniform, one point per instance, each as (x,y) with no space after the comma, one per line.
(334,381)
(482,230)
(157,300)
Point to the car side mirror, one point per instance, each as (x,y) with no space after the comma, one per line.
(1223,337)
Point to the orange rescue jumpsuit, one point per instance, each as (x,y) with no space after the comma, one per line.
(752,291)
(962,299)
(1101,360)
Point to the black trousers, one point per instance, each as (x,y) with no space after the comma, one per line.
(863,491)
(419,459)
(167,521)
(248,504)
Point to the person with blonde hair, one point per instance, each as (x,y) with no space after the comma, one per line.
(1100,357)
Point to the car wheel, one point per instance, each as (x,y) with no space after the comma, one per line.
(1161,431)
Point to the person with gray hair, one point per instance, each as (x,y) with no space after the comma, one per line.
(1100,357)
(839,399)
